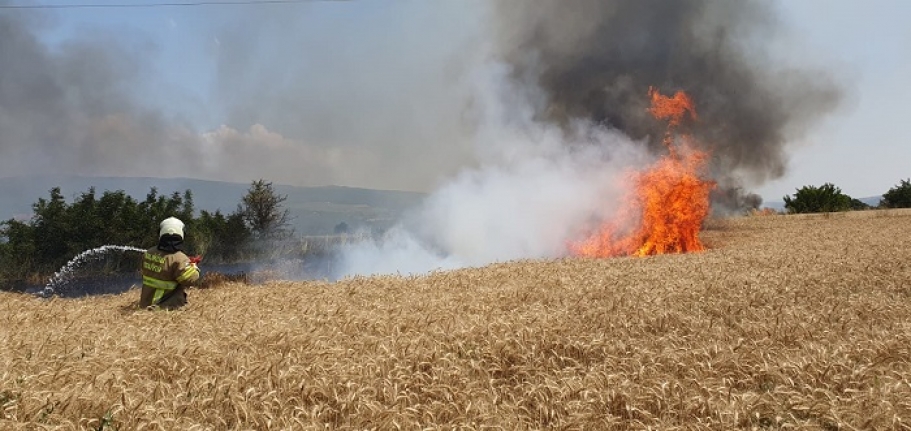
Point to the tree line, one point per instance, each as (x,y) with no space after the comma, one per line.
(57,230)
(829,198)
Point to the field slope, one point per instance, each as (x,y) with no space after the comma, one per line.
(787,322)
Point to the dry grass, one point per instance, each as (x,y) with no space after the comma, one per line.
(788,323)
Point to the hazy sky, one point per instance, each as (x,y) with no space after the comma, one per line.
(305,94)
(865,147)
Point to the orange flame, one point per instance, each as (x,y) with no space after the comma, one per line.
(671,108)
(669,201)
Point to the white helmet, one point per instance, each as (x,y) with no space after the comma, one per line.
(171,226)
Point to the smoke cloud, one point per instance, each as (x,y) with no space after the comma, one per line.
(536,189)
(383,86)
(596,60)
(578,77)
(361,94)
(347,94)
(68,110)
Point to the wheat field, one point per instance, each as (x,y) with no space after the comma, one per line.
(785,323)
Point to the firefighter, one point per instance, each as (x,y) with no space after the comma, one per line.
(166,270)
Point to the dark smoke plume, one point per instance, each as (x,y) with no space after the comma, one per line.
(596,59)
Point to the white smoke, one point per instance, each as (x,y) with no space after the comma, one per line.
(536,189)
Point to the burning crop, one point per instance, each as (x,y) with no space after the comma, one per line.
(668,201)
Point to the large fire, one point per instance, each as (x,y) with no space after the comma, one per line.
(668,201)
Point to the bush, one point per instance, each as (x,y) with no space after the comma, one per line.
(826,198)
(858,205)
(898,196)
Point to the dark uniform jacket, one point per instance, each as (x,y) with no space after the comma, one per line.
(165,277)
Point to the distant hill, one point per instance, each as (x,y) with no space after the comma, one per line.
(314,210)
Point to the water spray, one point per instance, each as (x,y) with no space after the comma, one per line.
(64,276)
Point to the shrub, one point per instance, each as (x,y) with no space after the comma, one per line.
(898,196)
(826,198)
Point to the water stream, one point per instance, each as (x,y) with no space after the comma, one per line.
(75,280)
(63,278)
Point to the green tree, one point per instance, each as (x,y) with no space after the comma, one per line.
(51,231)
(858,205)
(120,219)
(235,237)
(17,250)
(83,224)
(811,199)
(221,238)
(262,210)
(898,196)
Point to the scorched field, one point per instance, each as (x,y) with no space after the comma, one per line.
(784,322)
